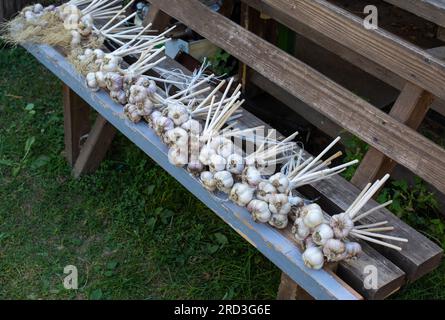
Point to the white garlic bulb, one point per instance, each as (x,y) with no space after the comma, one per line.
(114,81)
(322,233)
(205,154)
(334,250)
(138,94)
(100,54)
(195,166)
(76,38)
(208,180)
(241,194)
(132,113)
(280,182)
(100,78)
(163,124)
(177,156)
(259,210)
(215,142)
(279,204)
(353,249)
(37,8)
(110,63)
(251,176)
(296,201)
(225,148)
(217,163)
(177,137)
(71,22)
(279,221)
(178,113)
(300,230)
(235,164)
(342,224)
(312,215)
(91,81)
(313,258)
(119,96)
(224,181)
(192,126)
(264,190)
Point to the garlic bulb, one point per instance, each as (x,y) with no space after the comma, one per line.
(342,224)
(71,22)
(259,210)
(153,117)
(296,201)
(235,164)
(114,81)
(322,233)
(353,249)
(312,215)
(177,156)
(279,204)
(280,182)
(132,113)
(300,230)
(119,96)
(225,148)
(313,258)
(110,63)
(163,124)
(257,163)
(241,194)
(137,94)
(76,38)
(215,142)
(91,81)
(224,181)
(100,54)
(279,221)
(208,180)
(195,166)
(178,113)
(334,250)
(192,126)
(217,163)
(205,154)
(251,176)
(100,78)
(176,137)
(264,190)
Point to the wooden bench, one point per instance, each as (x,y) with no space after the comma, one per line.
(345,281)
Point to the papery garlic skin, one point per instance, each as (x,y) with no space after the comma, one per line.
(279,221)
(264,190)
(322,233)
(259,210)
(132,113)
(241,194)
(312,215)
(177,137)
(114,81)
(177,156)
(205,154)
(300,230)
(195,167)
(342,225)
(251,176)
(224,181)
(208,180)
(137,94)
(225,148)
(313,258)
(178,113)
(235,164)
(119,96)
(91,81)
(217,163)
(353,249)
(163,124)
(279,204)
(280,182)
(192,126)
(296,201)
(334,250)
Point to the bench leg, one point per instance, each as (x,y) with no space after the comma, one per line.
(289,290)
(158,19)
(95,148)
(410,108)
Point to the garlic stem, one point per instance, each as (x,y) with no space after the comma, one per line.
(382,243)
(377,224)
(378,235)
(121,11)
(371,211)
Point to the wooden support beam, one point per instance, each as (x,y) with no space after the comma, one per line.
(159,20)
(290,290)
(95,148)
(431,10)
(375,127)
(76,123)
(410,108)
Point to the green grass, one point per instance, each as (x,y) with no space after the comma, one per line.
(131,229)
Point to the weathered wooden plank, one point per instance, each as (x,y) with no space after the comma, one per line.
(282,252)
(157,18)
(95,148)
(395,140)
(290,290)
(431,10)
(418,257)
(76,123)
(410,108)
(384,48)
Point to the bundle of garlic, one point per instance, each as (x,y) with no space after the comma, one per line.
(68,26)
(325,239)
